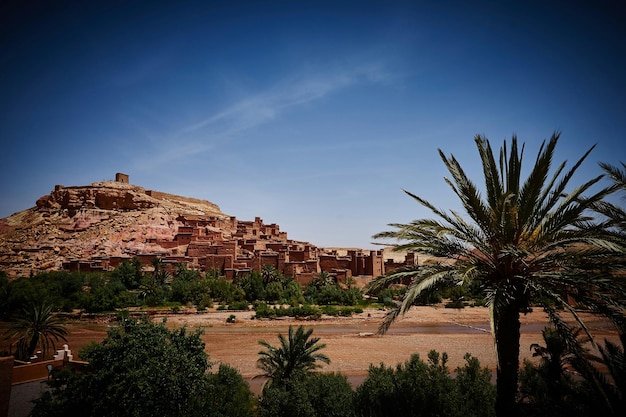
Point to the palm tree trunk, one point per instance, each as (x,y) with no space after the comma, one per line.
(32,345)
(507,335)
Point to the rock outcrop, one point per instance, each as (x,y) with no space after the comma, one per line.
(99,220)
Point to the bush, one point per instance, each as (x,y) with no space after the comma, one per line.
(274,291)
(341,311)
(324,394)
(262,310)
(416,388)
(228,394)
(454,304)
(239,305)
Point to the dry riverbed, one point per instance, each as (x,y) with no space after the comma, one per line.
(351,342)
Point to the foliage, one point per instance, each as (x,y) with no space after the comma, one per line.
(227,394)
(298,354)
(571,381)
(252,286)
(343,311)
(270,274)
(524,241)
(325,394)
(262,310)
(224,291)
(274,291)
(129,273)
(238,306)
(331,293)
(37,326)
(426,389)
(144,369)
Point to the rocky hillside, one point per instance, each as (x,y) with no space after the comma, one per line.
(101,219)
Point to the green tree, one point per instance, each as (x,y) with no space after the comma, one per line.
(252,285)
(297,354)
(549,388)
(270,274)
(311,395)
(604,378)
(145,369)
(323,279)
(37,326)
(185,284)
(155,287)
(227,394)
(523,242)
(614,212)
(274,291)
(129,273)
(417,388)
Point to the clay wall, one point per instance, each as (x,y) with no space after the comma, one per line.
(312,265)
(304,278)
(168,244)
(410,259)
(227,248)
(33,371)
(296,256)
(277,246)
(115,261)
(268,259)
(221,262)
(201,249)
(330,262)
(123,178)
(187,229)
(147,258)
(374,264)
(283,257)
(246,245)
(342,274)
(183,238)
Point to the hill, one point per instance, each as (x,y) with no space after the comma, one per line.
(103,219)
(98,226)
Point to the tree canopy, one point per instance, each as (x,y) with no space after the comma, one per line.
(524,241)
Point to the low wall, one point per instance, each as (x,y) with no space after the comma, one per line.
(33,371)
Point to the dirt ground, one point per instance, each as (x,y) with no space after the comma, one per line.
(352,343)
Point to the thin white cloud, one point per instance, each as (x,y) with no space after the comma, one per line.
(256,110)
(263,107)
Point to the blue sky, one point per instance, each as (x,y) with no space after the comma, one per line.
(310,114)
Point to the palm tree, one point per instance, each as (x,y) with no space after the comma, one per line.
(296,355)
(522,241)
(323,279)
(615,213)
(556,356)
(269,273)
(36,326)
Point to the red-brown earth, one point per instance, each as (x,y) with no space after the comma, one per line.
(351,342)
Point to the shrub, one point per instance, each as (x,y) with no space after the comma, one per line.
(454,304)
(262,310)
(274,291)
(416,388)
(239,305)
(324,394)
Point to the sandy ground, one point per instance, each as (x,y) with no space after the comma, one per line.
(352,343)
